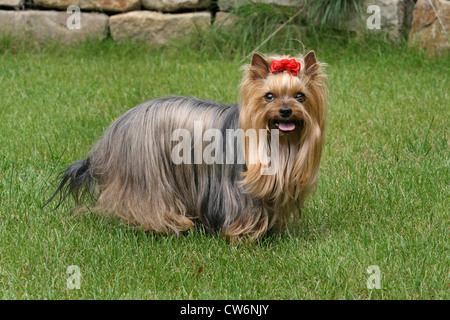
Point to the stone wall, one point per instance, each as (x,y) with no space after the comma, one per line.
(158,21)
(226,5)
(52,25)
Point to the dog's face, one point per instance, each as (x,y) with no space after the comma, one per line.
(284,103)
(280,93)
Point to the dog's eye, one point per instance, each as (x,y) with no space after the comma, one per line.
(269,97)
(300,97)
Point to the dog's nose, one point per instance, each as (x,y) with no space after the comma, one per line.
(285,112)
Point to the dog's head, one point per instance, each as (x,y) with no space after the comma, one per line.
(285,93)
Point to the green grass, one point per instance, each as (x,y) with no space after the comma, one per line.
(382,197)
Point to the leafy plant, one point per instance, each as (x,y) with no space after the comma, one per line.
(330,12)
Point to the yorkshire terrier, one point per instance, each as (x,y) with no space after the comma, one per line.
(141,171)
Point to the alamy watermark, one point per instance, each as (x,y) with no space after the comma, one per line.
(74,20)
(374,21)
(74,280)
(227,150)
(374,281)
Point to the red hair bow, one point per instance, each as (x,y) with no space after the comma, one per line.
(291,66)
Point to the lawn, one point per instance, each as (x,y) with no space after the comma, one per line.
(382,198)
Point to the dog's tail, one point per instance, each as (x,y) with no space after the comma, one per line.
(76,180)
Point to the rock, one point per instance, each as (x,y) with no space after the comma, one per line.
(155,27)
(52,25)
(226,5)
(92,5)
(224,19)
(426,30)
(16,4)
(395,18)
(175,5)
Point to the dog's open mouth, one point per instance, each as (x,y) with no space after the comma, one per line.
(285,125)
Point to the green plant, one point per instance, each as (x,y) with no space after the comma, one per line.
(330,12)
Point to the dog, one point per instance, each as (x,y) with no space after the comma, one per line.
(138,172)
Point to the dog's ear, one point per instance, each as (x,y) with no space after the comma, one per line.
(259,67)
(311,66)
(310,59)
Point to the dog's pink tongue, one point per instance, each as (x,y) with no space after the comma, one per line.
(286,126)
